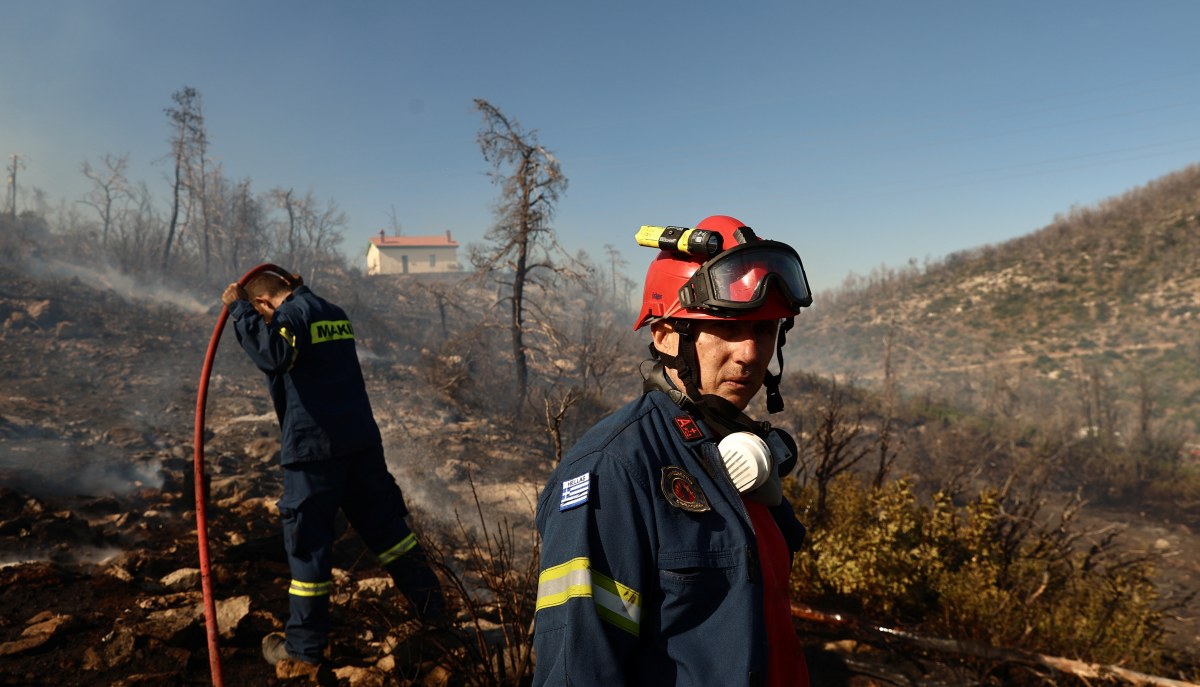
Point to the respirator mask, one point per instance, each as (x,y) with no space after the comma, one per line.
(747,460)
(754,465)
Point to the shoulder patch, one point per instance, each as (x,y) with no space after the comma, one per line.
(682,490)
(687,428)
(575,492)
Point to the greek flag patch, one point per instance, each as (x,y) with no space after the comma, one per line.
(575,492)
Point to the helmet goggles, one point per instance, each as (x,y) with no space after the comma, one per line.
(740,279)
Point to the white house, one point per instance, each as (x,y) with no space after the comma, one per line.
(412,254)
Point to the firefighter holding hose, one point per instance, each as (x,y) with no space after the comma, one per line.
(667,542)
(331,453)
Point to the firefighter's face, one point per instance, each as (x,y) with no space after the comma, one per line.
(733,355)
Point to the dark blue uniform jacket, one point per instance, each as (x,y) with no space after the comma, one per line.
(316,384)
(649,571)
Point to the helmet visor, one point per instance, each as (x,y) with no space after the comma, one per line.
(741,278)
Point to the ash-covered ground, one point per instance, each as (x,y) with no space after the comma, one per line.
(99,579)
(99,564)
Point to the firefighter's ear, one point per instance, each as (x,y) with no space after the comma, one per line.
(263,305)
(665,338)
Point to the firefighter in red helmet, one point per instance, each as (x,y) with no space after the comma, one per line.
(733,277)
(667,542)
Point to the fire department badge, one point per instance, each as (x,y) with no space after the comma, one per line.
(683,491)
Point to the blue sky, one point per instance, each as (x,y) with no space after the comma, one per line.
(863,133)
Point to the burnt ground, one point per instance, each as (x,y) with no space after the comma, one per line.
(98,546)
(99,580)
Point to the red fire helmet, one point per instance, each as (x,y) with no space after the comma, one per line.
(750,279)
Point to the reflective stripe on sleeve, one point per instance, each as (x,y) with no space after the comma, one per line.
(291,339)
(615,602)
(398,550)
(299,588)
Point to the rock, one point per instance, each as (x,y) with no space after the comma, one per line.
(357,676)
(105,505)
(24,644)
(230,613)
(43,312)
(438,676)
(123,436)
(118,572)
(375,585)
(182,580)
(116,649)
(171,625)
(289,669)
(387,664)
(18,321)
(67,330)
(263,450)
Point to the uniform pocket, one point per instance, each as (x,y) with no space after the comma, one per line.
(688,568)
(694,584)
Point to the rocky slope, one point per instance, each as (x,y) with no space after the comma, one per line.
(99,580)
(1105,293)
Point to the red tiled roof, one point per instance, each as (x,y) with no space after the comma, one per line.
(440,241)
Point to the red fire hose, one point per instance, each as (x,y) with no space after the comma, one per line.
(210,604)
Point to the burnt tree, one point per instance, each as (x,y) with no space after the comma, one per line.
(530,181)
(188,142)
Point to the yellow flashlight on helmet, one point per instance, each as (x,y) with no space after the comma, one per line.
(699,242)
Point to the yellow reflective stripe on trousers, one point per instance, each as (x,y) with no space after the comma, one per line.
(615,602)
(299,588)
(398,550)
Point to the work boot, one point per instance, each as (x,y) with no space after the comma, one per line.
(287,666)
(274,649)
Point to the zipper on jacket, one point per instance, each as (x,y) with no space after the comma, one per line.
(710,459)
(753,573)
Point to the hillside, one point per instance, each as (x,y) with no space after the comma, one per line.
(1101,304)
(96,503)
(99,582)
(98,550)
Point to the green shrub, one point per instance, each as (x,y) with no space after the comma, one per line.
(988,571)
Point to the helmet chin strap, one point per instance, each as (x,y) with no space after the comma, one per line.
(771,381)
(722,417)
(685,363)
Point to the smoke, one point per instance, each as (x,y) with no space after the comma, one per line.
(448,489)
(55,468)
(108,279)
(97,555)
(424,491)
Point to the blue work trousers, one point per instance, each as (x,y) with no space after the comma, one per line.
(361,486)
